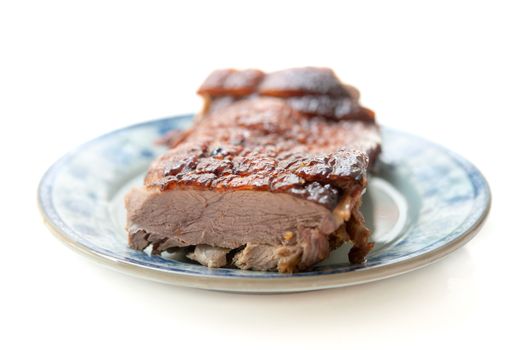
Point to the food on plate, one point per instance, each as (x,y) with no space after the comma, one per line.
(269,178)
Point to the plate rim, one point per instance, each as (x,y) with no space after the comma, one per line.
(265,285)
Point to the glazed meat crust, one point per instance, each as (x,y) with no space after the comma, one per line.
(263,144)
(311,91)
(270,176)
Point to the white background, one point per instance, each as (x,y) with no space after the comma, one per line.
(448,71)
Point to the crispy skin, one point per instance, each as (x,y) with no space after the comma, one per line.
(232,82)
(298,133)
(311,91)
(263,144)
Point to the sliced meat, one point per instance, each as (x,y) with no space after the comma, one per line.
(260,257)
(309,90)
(209,256)
(302,81)
(228,219)
(231,220)
(261,181)
(232,82)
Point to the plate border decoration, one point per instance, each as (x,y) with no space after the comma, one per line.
(189,275)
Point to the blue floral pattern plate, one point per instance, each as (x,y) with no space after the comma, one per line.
(422,203)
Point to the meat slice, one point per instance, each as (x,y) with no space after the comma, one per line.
(312,91)
(257,182)
(209,256)
(302,81)
(232,82)
(230,219)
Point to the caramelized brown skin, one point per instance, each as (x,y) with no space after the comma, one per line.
(298,131)
(311,91)
(263,144)
(232,82)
